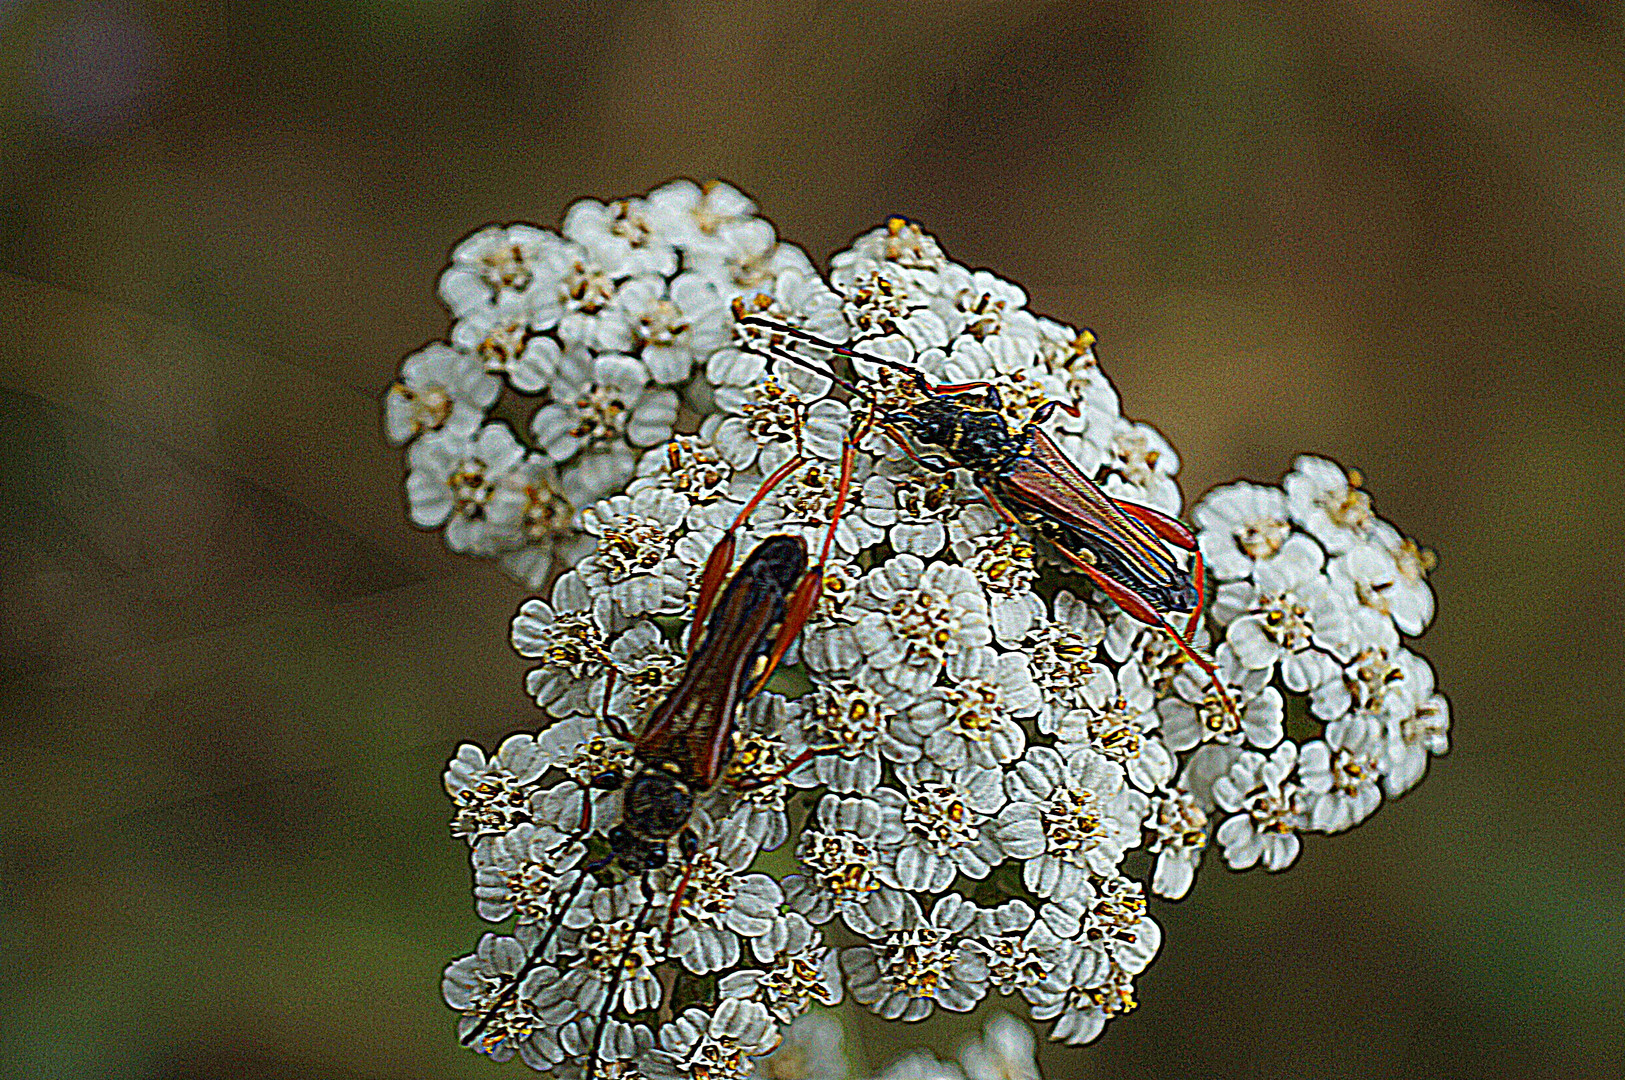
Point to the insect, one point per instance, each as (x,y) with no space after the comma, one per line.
(683,751)
(1122,546)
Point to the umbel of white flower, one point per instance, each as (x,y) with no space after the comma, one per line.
(986,736)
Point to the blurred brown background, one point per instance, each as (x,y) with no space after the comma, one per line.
(1392,233)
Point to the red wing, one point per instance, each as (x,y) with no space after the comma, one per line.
(692,730)
(1046,478)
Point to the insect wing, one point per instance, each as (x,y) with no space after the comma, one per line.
(692,730)
(1045,483)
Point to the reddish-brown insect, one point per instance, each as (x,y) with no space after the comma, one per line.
(1121,546)
(683,750)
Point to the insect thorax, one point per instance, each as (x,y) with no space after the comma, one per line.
(978,437)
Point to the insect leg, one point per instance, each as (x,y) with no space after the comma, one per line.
(1046,410)
(1166,527)
(690,845)
(756,783)
(614,724)
(1136,607)
(1199,579)
(801,603)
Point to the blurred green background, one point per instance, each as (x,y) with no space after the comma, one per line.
(1393,233)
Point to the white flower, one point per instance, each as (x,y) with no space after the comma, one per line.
(1068,817)
(946,825)
(919,963)
(1179,833)
(1107,917)
(670,327)
(797,969)
(1328,503)
(569,640)
(493,796)
(747,257)
(883,301)
(780,415)
(690,215)
(719,906)
(574,300)
(529,511)
(797,298)
(440,389)
(522,872)
(1376,676)
(1414,727)
(840,855)
(1123,730)
(598,474)
(1024,955)
(913,507)
(690,466)
(1080,1014)
(506,344)
(804,503)
(453,478)
(901,243)
(1199,715)
(1265,805)
(972,718)
(634,561)
(622,237)
(601,399)
(848,725)
(714,1045)
(1288,614)
(984,306)
(1003,563)
(1388,575)
(474,985)
(1240,525)
(500,264)
(912,617)
(1142,466)
(1063,660)
(1340,774)
(615,937)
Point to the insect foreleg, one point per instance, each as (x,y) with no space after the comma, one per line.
(613,724)
(1047,410)
(756,783)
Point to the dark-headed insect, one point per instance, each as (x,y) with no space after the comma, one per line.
(1125,548)
(683,751)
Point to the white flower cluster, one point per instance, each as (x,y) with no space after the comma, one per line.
(1314,593)
(977,742)
(601,333)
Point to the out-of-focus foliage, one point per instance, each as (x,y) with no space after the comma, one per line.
(1387,232)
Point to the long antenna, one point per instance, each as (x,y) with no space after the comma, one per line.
(813,339)
(615,979)
(540,948)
